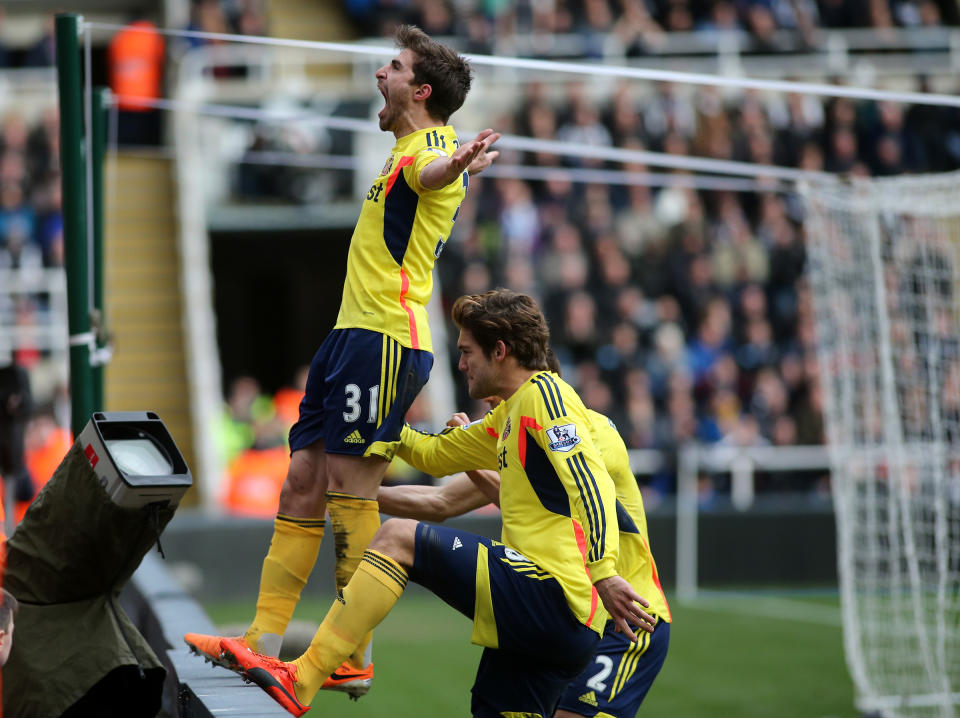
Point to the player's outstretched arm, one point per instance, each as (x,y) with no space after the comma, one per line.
(621,601)
(444,170)
(431,503)
(485,480)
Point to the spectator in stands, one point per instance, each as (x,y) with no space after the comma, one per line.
(206,16)
(519,220)
(135,58)
(252,18)
(639,410)
(14,139)
(722,18)
(16,404)
(938,130)
(43,53)
(844,13)
(636,31)
(43,148)
(668,357)
(713,339)
(5,55)
(583,127)
(246,407)
(737,256)
(48,234)
(18,250)
(16,215)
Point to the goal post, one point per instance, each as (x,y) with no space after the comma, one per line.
(884,271)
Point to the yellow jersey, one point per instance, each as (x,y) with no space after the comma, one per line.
(401,231)
(557,501)
(635,562)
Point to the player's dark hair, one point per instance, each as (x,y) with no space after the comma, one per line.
(510,317)
(8,608)
(436,65)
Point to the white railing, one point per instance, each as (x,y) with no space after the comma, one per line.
(47,332)
(742,463)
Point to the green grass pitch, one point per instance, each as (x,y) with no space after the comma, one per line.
(732,655)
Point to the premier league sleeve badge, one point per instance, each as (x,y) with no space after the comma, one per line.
(563,437)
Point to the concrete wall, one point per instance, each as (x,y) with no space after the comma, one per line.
(220,558)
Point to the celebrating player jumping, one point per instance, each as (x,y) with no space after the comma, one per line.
(370,368)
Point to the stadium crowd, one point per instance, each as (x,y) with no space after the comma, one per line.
(641,27)
(682,314)
(31,228)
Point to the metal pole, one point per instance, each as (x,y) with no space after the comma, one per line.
(74,218)
(98,137)
(687,542)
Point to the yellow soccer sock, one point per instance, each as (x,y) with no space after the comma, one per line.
(355,521)
(286,568)
(365,601)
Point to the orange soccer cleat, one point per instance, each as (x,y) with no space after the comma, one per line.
(208,647)
(274,676)
(354,681)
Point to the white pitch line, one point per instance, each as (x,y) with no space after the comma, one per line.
(750,604)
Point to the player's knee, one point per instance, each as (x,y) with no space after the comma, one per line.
(302,483)
(396,539)
(305,485)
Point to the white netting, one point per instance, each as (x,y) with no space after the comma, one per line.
(885,275)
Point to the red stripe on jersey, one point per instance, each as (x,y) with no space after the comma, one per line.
(404,279)
(404,161)
(582,545)
(525,421)
(656,579)
(404,288)
(493,432)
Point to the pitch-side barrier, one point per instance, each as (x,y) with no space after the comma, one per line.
(163,612)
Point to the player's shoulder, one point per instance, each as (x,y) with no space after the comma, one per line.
(548,392)
(437,141)
(600,421)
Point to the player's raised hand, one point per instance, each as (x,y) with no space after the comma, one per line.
(485,157)
(469,152)
(444,170)
(621,601)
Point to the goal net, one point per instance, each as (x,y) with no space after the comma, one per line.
(885,277)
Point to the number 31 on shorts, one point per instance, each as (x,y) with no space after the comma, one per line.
(353,402)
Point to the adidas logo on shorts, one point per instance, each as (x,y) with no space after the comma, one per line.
(589,698)
(456,543)
(354,438)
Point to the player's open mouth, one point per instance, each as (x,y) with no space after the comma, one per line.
(384,93)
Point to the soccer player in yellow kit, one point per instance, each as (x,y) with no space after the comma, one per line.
(621,673)
(370,368)
(540,598)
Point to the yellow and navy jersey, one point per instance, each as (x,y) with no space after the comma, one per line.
(557,501)
(635,562)
(401,231)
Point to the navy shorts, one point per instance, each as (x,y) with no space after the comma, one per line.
(360,386)
(534,644)
(617,679)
